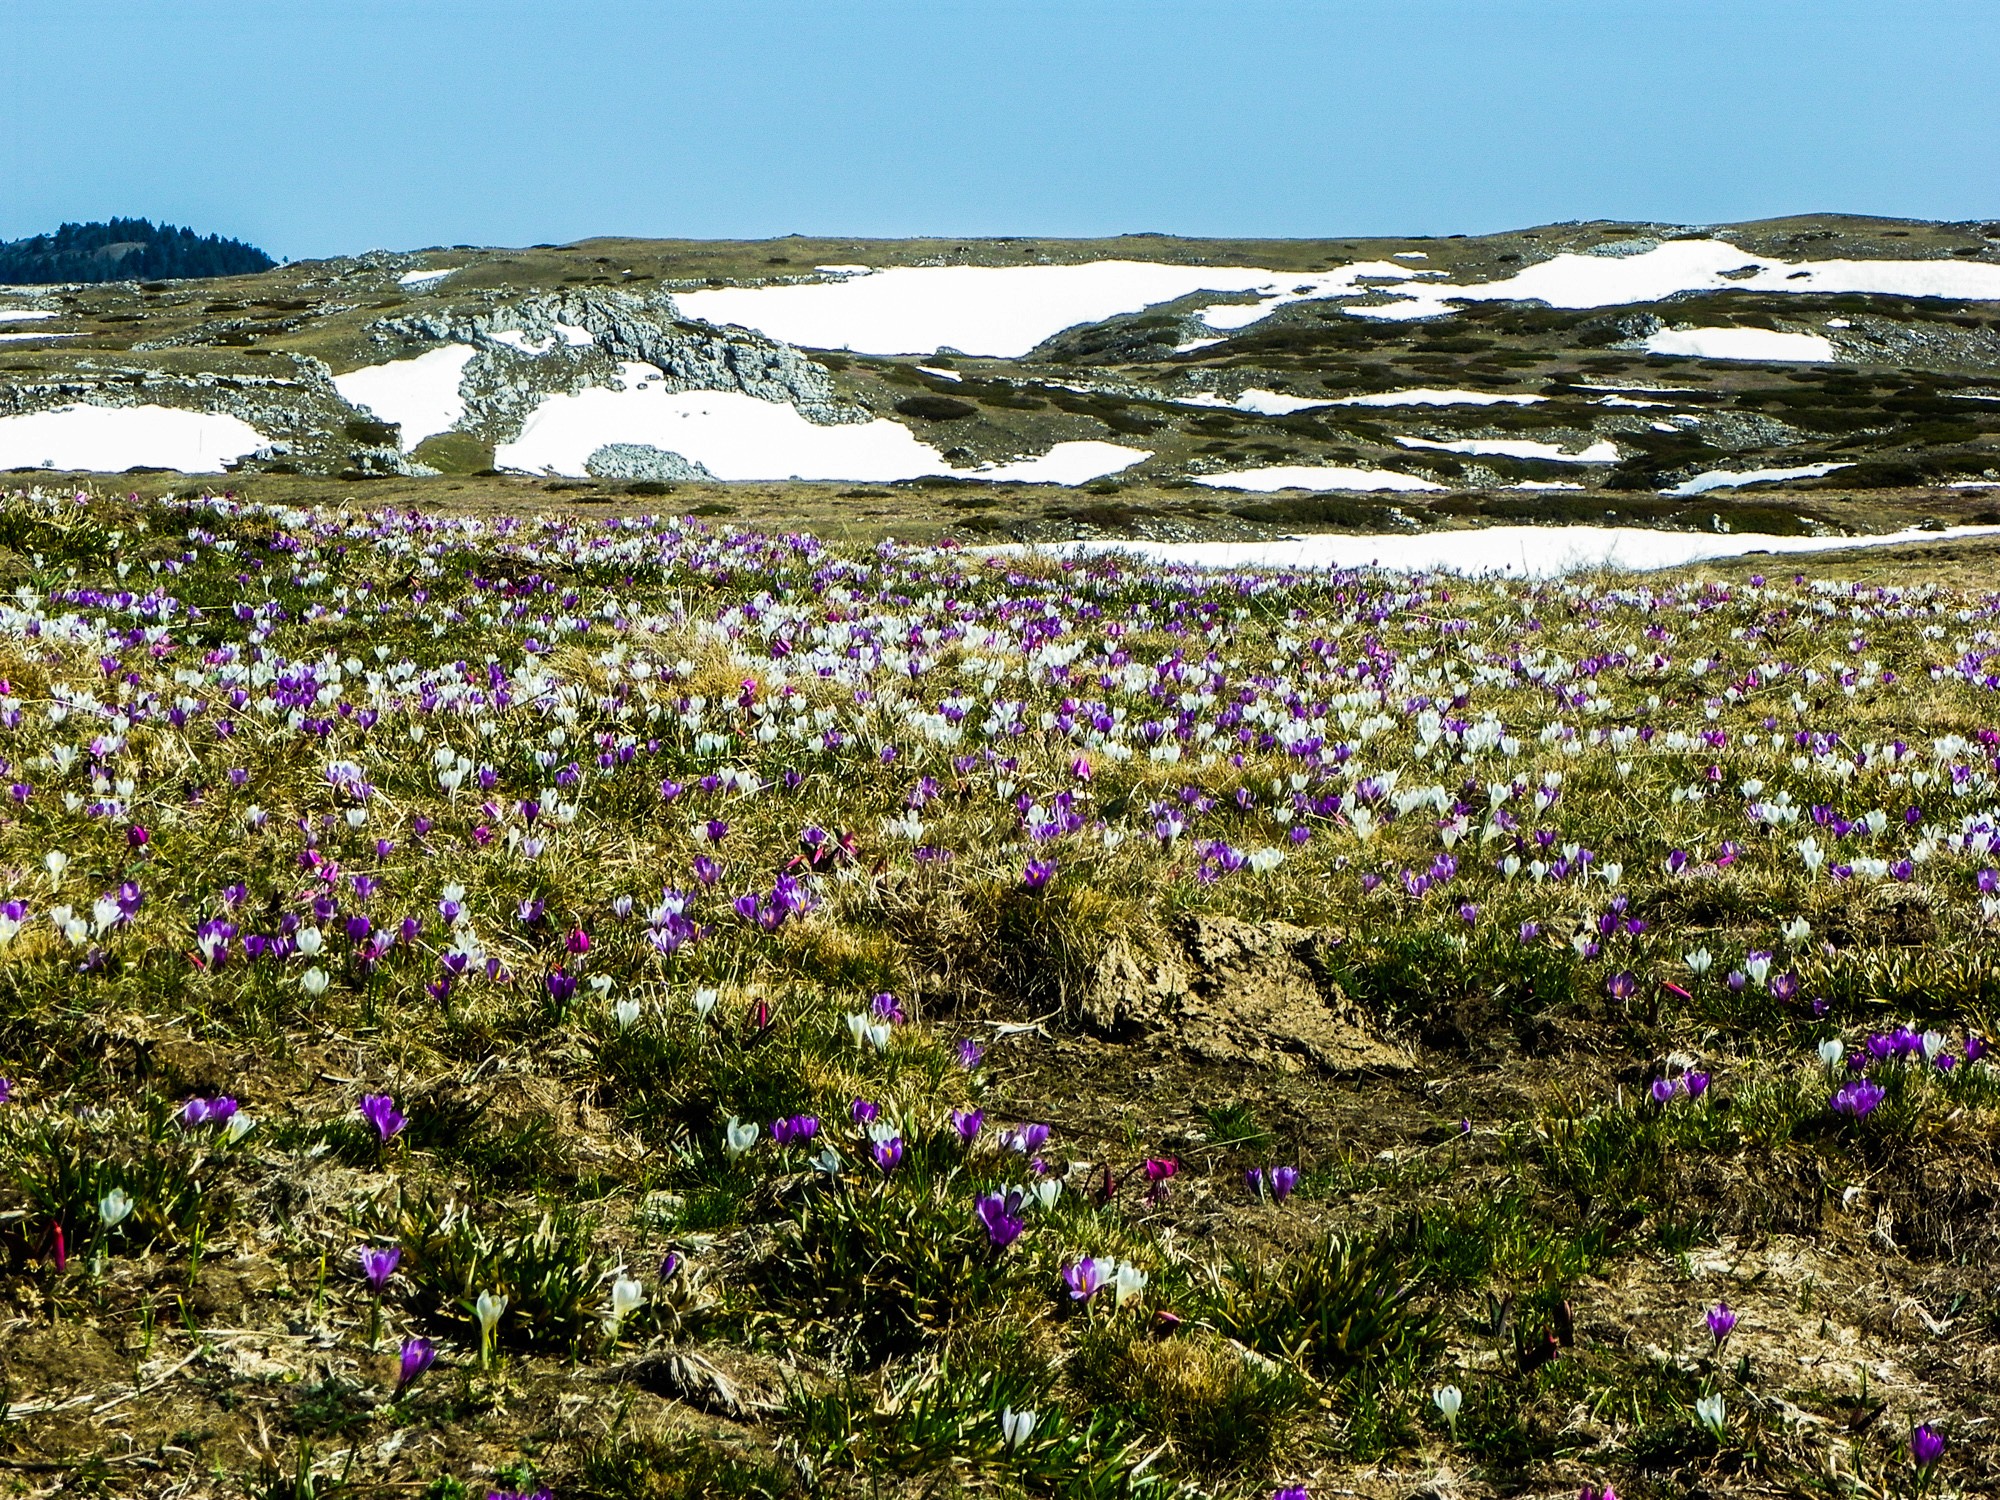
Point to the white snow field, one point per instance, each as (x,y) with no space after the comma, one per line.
(1691,266)
(25,314)
(426,278)
(1742,343)
(109,439)
(1603,452)
(998,311)
(421,394)
(736,436)
(1519,551)
(1004,311)
(1303,477)
(1723,479)
(15,338)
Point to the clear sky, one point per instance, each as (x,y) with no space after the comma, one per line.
(317,127)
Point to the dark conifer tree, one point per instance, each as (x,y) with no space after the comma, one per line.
(125,250)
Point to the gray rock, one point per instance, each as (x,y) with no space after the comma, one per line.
(643,461)
(504,383)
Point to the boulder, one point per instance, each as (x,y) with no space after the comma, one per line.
(643,461)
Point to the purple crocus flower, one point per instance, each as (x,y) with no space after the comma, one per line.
(864,1111)
(794,1129)
(1283,1180)
(1026,1139)
(967,1122)
(669,1264)
(1254,1180)
(1664,1089)
(885,1008)
(1294,1492)
(889,1154)
(378,1265)
(1926,1446)
(1720,1321)
(216,1111)
(970,1054)
(1084,1278)
(1002,1218)
(418,1356)
(1857,1097)
(1696,1084)
(1037,874)
(380,1111)
(1622,986)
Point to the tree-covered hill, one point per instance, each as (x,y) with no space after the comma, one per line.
(126,250)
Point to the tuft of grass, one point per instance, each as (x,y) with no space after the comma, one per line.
(1342,1304)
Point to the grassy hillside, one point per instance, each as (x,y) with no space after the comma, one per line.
(493,1000)
(1911,401)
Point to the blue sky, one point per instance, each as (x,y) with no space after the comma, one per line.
(319,128)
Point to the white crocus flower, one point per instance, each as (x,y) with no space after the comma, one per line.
(626,1297)
(1700,960)
(627,1013)
(704,1002)
(739,1136)
(115,1207)
(1016,1427)
(1449,1398)
(1713,1414)
(487,1309)
(314,981)
(1126,1283)
(1831,1051)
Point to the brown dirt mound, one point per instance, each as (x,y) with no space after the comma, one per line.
(1227,991)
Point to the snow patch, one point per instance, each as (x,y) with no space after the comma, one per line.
(1691,266)
(108,439)
(1302,477)
(420,395)
(1066,463)
(1742,343)
(737,436)
(576,338)
(25,314)
(1602,452)
(426,278)
(1519,551)
(1429,397)
(1001,311)
(1722,479)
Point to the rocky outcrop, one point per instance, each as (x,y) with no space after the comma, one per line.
(643,461)
(562,341)
(1229,991)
